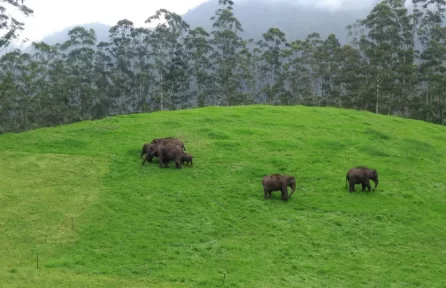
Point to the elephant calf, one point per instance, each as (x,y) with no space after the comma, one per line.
(277,182)
(186,158)
(361,175)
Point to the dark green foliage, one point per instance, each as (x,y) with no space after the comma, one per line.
(394,66)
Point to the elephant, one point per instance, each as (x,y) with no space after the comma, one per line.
(361,175)
(145,146)
(149,151)
(169,140)
(278,182)
(165,153)
(186,158)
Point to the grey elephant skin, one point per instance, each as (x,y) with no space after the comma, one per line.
(278,182)
(165,153)
(361,175)
(155,141)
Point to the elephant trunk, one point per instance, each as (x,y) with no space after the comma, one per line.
(293,189)
(376,183)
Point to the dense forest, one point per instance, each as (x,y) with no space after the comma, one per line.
(175,67)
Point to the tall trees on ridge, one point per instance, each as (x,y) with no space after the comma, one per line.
(394,65)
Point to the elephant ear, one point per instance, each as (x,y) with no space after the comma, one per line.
(154,148)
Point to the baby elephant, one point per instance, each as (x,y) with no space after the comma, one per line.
(361,175)
(277,182)
(186,158)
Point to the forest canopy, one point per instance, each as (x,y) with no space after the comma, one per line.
(175,67)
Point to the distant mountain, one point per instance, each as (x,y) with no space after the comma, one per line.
(100,29)
(296,21)
(62,36)
(256,16)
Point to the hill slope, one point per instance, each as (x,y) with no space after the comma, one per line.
(78,196)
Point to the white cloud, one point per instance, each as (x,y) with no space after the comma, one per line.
(54,15)
(51,16)
(326,4)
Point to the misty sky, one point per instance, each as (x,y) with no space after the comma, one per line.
(54,15)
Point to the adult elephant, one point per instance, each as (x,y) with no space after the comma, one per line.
(149,151)
(167,140)
(165,153)
(278,182)
(361,175)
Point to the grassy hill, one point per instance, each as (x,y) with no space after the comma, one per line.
(78,196)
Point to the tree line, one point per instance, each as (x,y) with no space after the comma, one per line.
(394,65)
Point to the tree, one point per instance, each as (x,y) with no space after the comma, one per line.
(386,43)
(296,73)
(79,60)
(170,61)
(10,24)
(199,49)
(352,80)
(272,44)
(102,81)
(394,65)
(328,70)
(227,45)
(429,17)
(121,55)
(143,67)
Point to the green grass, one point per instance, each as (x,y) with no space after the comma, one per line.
(142,226)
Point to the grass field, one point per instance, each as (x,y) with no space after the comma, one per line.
(78,196)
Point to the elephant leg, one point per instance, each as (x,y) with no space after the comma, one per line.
(161,160)
(363,187)
(266,194)
(284,193)
(149,159)
(367,184)
(351,187)
(178,162)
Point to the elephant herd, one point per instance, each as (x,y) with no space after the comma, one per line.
(166,149)
(172,149)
